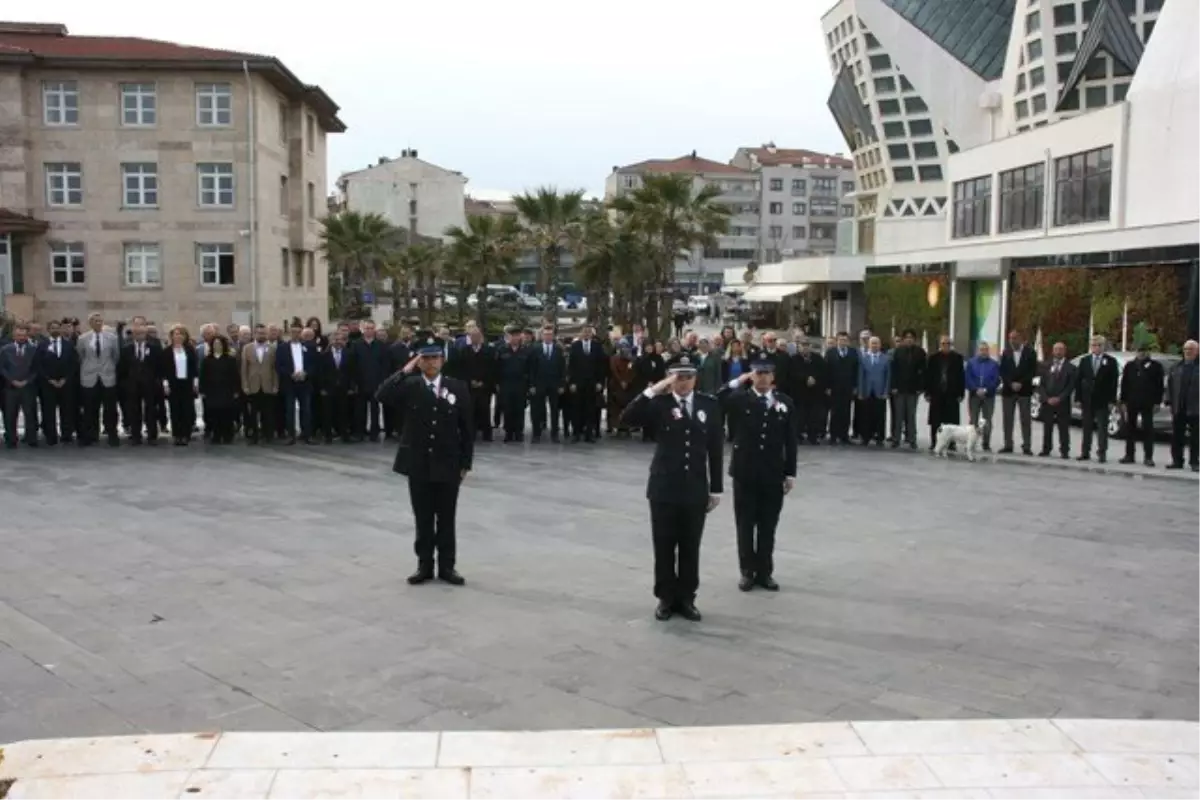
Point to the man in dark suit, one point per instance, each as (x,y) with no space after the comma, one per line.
(1096,382)
(138,379)
(763,467)
(296,362)
(685,480)
(399,354)
(1142,384)
(1183,395)
(907,381)
(586,375)
(1018,368)
(945,384)
(874,381)
(1054,389)
(337,381)
(478,360)
(19,376)
(842,368)
(57,370)
(548,365)
(513,378)
(371,361)
(437,446)
(807,390)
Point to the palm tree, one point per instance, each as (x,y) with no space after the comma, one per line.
(610,260)
(422,263)
(551,221)
(485,250)
(673,219)
(356,246)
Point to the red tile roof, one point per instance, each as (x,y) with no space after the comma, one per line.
(779,157)
(687,164)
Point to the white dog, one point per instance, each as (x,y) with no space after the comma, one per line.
(967,437)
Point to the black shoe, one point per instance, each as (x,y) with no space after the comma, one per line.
(895,445)
(1065,456)
(1004,450)
(1101,458)
(1149,462)
(451,577)
(113,441)
(768,583)
(1043,454)
(291,440)
(555,438)
(422,575)
(536,438)
(1084,457)
(1175,465)
(663,612)
(688,611)
(1126,460)
(590,439)
(576,439)
(747,582)
(136,442)
(1027,451)
(1195,467)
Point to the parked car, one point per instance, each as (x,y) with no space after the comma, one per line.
(699,304)
(1116,421)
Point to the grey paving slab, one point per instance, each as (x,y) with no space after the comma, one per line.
(250,588)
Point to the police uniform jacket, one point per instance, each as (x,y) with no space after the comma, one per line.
(686,467)
(514,371)
(437,440)
(764,444)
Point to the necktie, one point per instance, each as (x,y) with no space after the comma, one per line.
(56,353)
(686,411)
(139,352)
(547,351)
(587,348)
(432,389)
(764,400)
(1095,364)
(20,351)
(337,358)
(96,338)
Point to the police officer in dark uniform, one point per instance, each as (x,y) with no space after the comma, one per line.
(514,379)
(763,467)
(437,444)
(685,480)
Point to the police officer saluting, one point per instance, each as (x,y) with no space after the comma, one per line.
(763,467)
(685,480)
(437,443)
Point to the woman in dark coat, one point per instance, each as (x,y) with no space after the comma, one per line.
(620,388)
(321,341)
(649,369)
(180,372)
(221,387)
(945,385)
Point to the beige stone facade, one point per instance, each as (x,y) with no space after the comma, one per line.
(186,192)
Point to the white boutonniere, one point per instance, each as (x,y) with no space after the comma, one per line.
(443,393)
(676,413)
(451,399)
(700,415)
(781,408)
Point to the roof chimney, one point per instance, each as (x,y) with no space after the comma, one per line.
(412,153)
(693,154)
(615,168)
(383,160)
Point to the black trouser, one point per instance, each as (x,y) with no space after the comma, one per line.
(182,404)
(498,411)
(335,414)
(811,425)
(541,399)
(1184,430)
(943,410)
(583,401)
(874,414)
(1139,421)
(1059,417)
(160,407)
(280,413)
(259,416)
(860,418)
(839,415)
(434,505)
(756,508)
(366,415)
(223,420)
(1095,419)
(94,399)
(140,410)
(21,400)
(675,529)
(513,401)
(481,407)
(58,411)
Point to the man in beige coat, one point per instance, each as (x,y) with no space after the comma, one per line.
(260,385)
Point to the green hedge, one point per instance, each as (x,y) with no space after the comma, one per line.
(903,301)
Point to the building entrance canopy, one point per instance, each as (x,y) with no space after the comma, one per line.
(773,292)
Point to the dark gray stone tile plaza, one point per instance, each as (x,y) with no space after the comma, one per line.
(259,589)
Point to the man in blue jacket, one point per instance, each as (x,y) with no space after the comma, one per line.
(983,381)
(874,382)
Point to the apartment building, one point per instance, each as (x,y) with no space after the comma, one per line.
(145,177)
(803,197)
(408,192)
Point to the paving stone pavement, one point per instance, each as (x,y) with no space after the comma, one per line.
(262,589)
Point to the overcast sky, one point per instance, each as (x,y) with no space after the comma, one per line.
(522,93)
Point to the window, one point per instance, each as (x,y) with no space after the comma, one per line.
(823,208)
(139,104)
(1064,15)
(1037,77)
(1089,9)
(824,185)
(929,172)
(64,184)
(775,232)
(66,264)
(285,202)
(1020,82)
(902,174)
(1066,43)
(847,210)
(1097,68)
(214,105)
(880,62)
(310,130)
(140,183)
(889,107)
(920,127)
(312,269)
(1147,29)
(1033,22)
(885,84)
(951,146)
(871,41)
(143,265)
(905,85)
(1021,109)
(898,152)
(798,187)
(1070,102)
(776,184)
(894,130)
(1038,103)
(775,208)
(60,102)
(1034,48)
(311,198)
(629,181)
(1152,5)
(1096,97)
(285,261)
(216,185)
(298,261)
(216,264)
(1022,193)
(972,207)
(799,208)
(914,105)
(1083,187)
(1119,91)
(847,187)
(925,150)
(283,124)
(823,232)
(798,232)
(1064,71)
